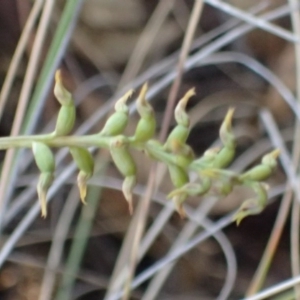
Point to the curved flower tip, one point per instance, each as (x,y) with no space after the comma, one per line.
(275,153)
(226,133)
(82,185)
(249,207)
(143,92)
(121,103)
(144,109)
(42,194)
(229,115)
(271,158)
(43,185)
(127,188)
(63,96)
(228,119)
(185,99)
(58,76)
(177,200)
(181,116)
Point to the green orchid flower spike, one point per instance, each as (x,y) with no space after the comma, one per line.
(212,176)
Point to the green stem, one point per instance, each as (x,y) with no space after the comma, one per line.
(54,141)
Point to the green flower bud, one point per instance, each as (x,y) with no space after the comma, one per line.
(179,176)
(65,120)
(45,181)
(43,157)
(226,133)
(255,205)
(67,113)
(117,122)
(224,157)
(85,164)
(127,188)
(180,133)
(177,138)
(121,156)
(264,170)
(145,129)
(63,96)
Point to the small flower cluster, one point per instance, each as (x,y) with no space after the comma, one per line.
(213,177)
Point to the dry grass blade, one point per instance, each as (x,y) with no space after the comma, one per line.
(55,253)
(23,101)
(11,72)
(295,258)
(257,22)
(276,289)
(145,41)
(170,104)
(156,240)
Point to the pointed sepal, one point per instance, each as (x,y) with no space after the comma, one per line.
(44,183)
(63,96)
(254,205)
(226,132)
(181,116)
(127,188)
(85,163)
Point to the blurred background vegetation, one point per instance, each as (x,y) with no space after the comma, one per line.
(105,47)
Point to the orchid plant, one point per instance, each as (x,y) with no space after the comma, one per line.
(213,177)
